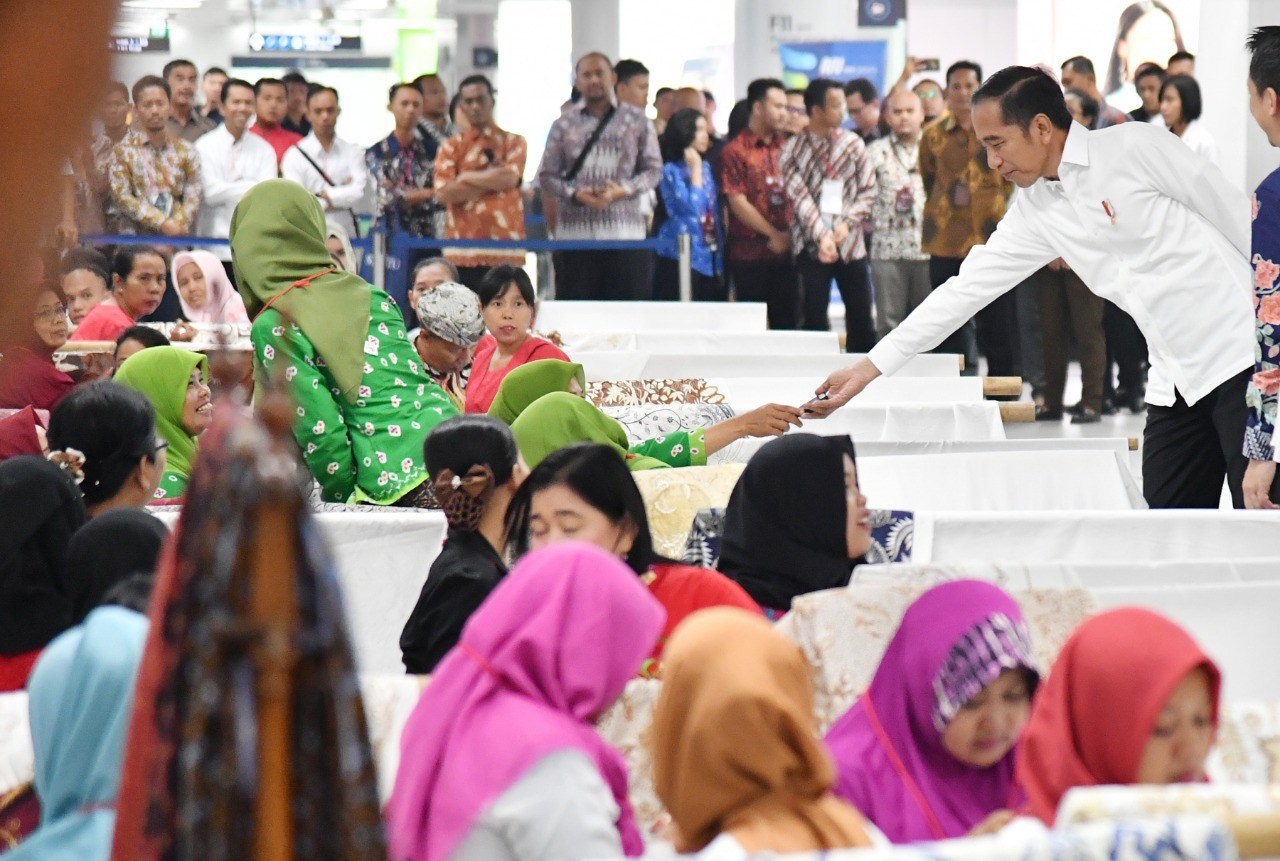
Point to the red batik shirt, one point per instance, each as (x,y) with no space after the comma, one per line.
(749,166)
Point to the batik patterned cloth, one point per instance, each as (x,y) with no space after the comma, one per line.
(891,534)
(1264,388)
(151,185)
(631,393)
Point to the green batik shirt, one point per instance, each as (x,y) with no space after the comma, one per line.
(172,486)
(682,448)
(369,451)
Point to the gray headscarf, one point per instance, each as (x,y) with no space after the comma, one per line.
(452,311)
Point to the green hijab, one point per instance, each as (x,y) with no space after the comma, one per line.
(278,238)
(561,419)
(527,383)
(161,373)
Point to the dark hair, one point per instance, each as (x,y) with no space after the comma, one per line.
(1264,62)
(172,65)
(1088,106)
(1081,66)
(739,117)
(317,90)
(236,82)
(459,443)
(215,70)
(662,91)
(681,129)
(472,80)
(294,77)
(86,258)
(146,82)
(1149,70)
(132,593)
(708,95)
(118,87)
(144,335)
(496,281)
(760,87)
(595,473)
(1024,93)
(1180,55)
(113,426)
(268,82)
(863,88)
(418,81)
(815,95)
(434,261)
(963,66)
(126,258)
(628,69)
(795,91)
(395,88)
(1188,92)
(1132,15)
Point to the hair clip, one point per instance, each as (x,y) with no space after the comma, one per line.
(69,460)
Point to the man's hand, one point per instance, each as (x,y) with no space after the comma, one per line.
(768,420)
(840,233)
(612,191)
(839,388)
(1258,476)
(827,250)
(780,242)
(591,198)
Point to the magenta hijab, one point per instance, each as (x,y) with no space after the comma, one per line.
(888,750)
(549,650)
(224,305)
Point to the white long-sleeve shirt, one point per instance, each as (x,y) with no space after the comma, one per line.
(228,169)
(343,162)
(1172,251)
(1201,142)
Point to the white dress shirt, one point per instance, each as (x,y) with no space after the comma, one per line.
(228,169)
(343,163)
(1173,252)
(1196,136)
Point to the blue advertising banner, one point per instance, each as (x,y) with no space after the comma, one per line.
(840,61)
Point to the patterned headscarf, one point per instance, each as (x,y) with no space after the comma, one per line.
(452,312)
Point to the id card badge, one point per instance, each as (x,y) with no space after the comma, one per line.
(164,203)
(832,200)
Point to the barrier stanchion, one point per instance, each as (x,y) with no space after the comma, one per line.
(685,246)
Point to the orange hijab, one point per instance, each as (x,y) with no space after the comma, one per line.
(1091,720)
(735,743)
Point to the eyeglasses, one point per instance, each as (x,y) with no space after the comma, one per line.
(792,109)
(927,94)
(161,445)
(51,315)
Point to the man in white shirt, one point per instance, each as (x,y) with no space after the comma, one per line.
(231,162)
(1145,223)
(324,164)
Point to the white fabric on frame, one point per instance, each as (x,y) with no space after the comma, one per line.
(587,316)
(1078,575)
(777,343)
(1119,445)
(681,364)
(608,365)
(746,393)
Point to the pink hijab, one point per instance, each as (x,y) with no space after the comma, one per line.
(224,305)
(549,650)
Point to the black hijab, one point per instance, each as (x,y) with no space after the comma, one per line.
(40,508)
(111,548)
(785,527)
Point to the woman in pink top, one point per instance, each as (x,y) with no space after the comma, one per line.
(506,295)
(137,286)
(205,291)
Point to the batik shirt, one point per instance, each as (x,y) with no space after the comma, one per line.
(369,451)
(898,209)
(806,161)
(1264,388)
(396,169)
(966,198)
(150,185)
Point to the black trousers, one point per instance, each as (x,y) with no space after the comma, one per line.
(853,279)
(773,282)
(620,275)
(1126,350)
(962,340)
(996,324)
(1188,450)
(666,283)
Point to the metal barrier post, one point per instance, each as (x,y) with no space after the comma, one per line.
(380,259)
(685,245)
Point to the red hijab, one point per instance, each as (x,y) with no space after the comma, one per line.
(18,433)
(1092,718)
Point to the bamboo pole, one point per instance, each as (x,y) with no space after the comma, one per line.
(1017,412)
(1001,387)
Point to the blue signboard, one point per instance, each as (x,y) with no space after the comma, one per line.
(840,61)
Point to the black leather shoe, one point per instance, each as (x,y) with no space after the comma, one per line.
(1074,409)
(1108,407)
(1044,414)
(1086,417)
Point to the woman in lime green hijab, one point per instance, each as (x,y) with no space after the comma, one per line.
(176,382)
(561,419)
(364,402)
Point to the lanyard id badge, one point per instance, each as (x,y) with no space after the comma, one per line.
(831,201)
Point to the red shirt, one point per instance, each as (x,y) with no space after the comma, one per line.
(30,379)
(749,166)
(483,385)
(279,137)
(685,589)
(103,323)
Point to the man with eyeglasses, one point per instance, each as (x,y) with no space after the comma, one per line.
(797,114)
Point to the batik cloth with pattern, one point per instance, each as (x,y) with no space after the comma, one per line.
(452,311)
(1264,388)
(891,537)
(806,162)
(396,169)
(190,781)
(492,215)
(966,197)
(151,185)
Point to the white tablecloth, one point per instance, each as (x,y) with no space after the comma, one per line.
(1087,536)
(711,341)
(814,367)
(584,316)
(749,392)
(1118,445)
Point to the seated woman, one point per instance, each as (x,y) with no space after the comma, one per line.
(137,287)
(86,281)
(451,328)
(114,429)
(542,658)
(338,241)
(560,419)
(204,289)
(584,493)
(1131,699)
(736,756)
(40,509)
(527,383)
(365,404)
(688,195)
(28,376)
(796,521)
(476,470)
(506,296)
(428,274)
(175,381)
(927,752)
(81,697)
(108,550)
(135,339)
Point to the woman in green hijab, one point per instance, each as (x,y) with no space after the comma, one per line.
(528,383)
(176,382)
(561,419)
(364,402)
